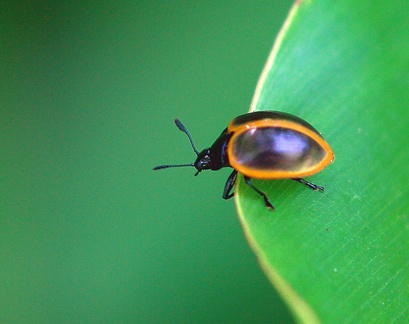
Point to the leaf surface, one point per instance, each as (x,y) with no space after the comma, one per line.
(341,255)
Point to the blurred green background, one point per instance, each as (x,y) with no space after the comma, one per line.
(89,91)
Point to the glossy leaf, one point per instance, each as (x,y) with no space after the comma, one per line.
(342,255)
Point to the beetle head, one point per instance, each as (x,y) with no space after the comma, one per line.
(203,161)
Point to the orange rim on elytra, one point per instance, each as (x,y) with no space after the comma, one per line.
(277,174)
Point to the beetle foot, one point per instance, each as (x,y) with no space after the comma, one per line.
(309,184)
(268,204)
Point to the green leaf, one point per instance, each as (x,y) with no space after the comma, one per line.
(342,255)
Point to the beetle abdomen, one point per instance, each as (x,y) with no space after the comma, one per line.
(274,145)
(276,150)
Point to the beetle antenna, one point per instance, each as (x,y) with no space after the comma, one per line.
(184,130)
(173,166)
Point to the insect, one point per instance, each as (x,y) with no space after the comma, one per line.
(263,145)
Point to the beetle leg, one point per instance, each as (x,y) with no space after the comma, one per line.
(309,184)
(262,194)
(229,185)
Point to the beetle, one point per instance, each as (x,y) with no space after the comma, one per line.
(263,145)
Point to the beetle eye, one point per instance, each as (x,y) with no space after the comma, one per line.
(203,161)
